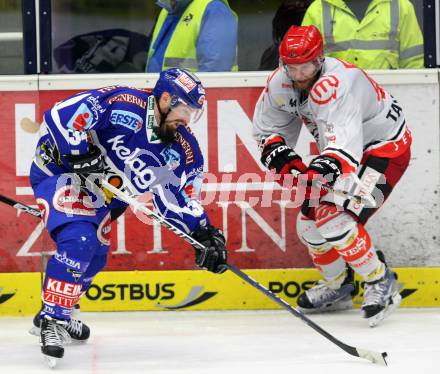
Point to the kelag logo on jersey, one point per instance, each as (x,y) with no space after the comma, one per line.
(81,120)
(127,119)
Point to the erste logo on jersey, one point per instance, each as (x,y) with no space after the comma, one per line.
(324,90)
(82,119)
(127,119)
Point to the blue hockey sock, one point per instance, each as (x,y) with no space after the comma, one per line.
(76,245)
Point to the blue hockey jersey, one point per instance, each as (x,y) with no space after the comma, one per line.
(120,121)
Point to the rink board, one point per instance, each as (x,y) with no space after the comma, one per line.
(256,215)
(200,290)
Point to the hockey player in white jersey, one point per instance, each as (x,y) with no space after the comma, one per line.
(359,129)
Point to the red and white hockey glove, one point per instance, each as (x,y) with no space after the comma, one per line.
(281,159)
(323,170)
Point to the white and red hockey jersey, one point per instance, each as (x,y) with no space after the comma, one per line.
(346,111)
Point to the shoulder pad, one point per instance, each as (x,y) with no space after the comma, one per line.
(130,96)
(277,82)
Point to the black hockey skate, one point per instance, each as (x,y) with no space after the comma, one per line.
(323,298)
(53,335)
(381,297)
(78,330)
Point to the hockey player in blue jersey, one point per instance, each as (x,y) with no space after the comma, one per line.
(139,141)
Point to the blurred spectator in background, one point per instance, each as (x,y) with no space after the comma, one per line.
(372,34)
(198,35)
(289,13)
(104,51)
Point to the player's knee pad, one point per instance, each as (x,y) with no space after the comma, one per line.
(96,265)
(323,255)
(336,226)
(310,236)
(77,243)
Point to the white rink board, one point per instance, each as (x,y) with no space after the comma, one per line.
(407,228)
(236,342)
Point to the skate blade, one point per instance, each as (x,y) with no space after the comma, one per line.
(393,304)
(51,361)
(35,331)
(335,307)
(72,341)
(75,342)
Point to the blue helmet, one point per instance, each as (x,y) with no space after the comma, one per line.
(182,86)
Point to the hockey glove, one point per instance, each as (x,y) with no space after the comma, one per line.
(281,159)
(214,256)
(323,170)
(91,162)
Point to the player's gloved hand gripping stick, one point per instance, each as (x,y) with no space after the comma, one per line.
(281,159)
(366,199)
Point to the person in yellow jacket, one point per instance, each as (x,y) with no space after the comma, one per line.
(198,35)
(372,34)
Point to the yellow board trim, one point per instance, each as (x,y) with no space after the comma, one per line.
(200,290)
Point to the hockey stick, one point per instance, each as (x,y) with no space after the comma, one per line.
(32,211)
(367,200)
(25,208)
(374,357)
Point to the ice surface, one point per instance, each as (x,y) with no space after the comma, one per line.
(242,342)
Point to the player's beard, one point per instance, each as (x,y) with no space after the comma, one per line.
(305,85)
(167,131)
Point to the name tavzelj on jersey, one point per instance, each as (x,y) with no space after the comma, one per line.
(127,119)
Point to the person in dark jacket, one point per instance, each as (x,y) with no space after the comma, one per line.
(290,12)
